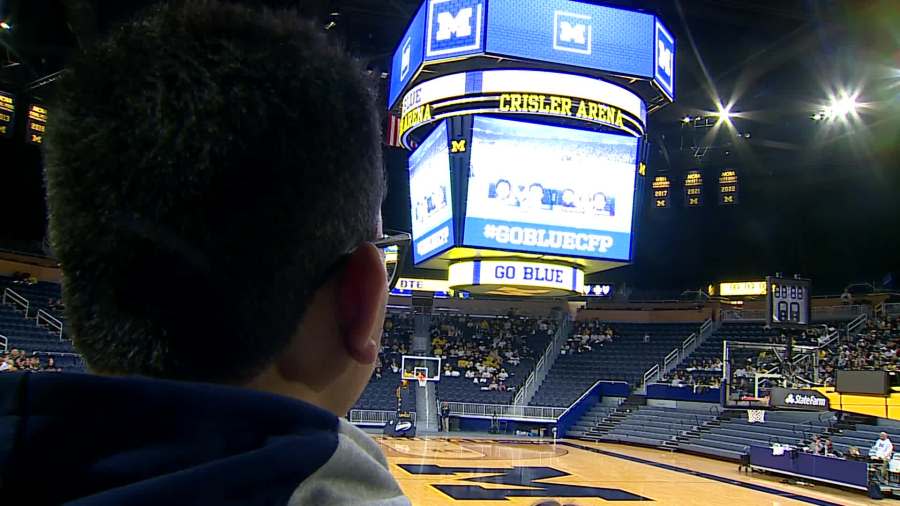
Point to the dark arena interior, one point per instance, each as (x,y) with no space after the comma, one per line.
(636,250)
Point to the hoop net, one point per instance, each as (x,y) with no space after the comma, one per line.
(756,416)
(421,379)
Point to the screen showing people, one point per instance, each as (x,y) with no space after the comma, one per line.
(430,195)
(550,189)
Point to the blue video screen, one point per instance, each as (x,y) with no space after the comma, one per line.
(573,33)
(431,200)
(549,189)
(408,57)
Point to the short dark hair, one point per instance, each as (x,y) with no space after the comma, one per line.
(207,163)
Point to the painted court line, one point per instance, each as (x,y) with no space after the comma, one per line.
(720,479)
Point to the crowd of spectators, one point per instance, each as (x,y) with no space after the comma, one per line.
(587,336)
(24,278)
(394,344)
(485,350)
(18,360)
(875,347)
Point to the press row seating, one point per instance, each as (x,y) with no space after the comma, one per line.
(733,437)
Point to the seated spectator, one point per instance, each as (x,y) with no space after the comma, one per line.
(7,364)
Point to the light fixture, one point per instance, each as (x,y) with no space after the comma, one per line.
(723,112)
(686,119)
(6,26)
(843,106)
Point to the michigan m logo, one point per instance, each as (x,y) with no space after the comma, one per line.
(665,58)
(531,478)
(405,56)
(459,25)
(454,27)
(572,32)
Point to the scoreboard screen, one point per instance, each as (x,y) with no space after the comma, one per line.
(547,189)
(431,201)
(788,302)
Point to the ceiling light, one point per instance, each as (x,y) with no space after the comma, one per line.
(843,106)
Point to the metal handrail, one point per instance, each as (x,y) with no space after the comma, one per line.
(818,313)
(652,374)
(830,338)
(691,339)
(478,410)
(10,294)
(526,391)
(892,308)
(856,323)
(4,343)
(374,416)
(50,320)
(671,357)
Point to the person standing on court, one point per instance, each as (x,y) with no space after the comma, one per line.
(214,181)
(445,417)
(883,450)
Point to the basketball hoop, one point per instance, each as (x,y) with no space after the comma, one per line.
(421,379)
(756,416)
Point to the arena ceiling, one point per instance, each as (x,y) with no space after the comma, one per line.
(818,198)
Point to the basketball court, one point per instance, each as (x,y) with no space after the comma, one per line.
(506,471)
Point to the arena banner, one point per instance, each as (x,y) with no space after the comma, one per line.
(37,124)
(790,398)
(662,194)
(7,114)
(522,92)
(551,278)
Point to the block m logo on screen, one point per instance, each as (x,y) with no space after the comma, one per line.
(454,26)
(572,32)
(665,60)
(405,55)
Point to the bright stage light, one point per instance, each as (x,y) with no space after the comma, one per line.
(724,113)
(841,107)
(686,119)
(6,26)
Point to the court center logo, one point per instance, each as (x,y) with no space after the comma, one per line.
(454,26)
(572,32)
(527,480)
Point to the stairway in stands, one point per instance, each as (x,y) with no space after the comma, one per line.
(633,422)
(593,426)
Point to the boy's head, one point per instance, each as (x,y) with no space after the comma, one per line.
(214,180)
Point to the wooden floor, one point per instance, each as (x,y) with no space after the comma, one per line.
(435,471)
